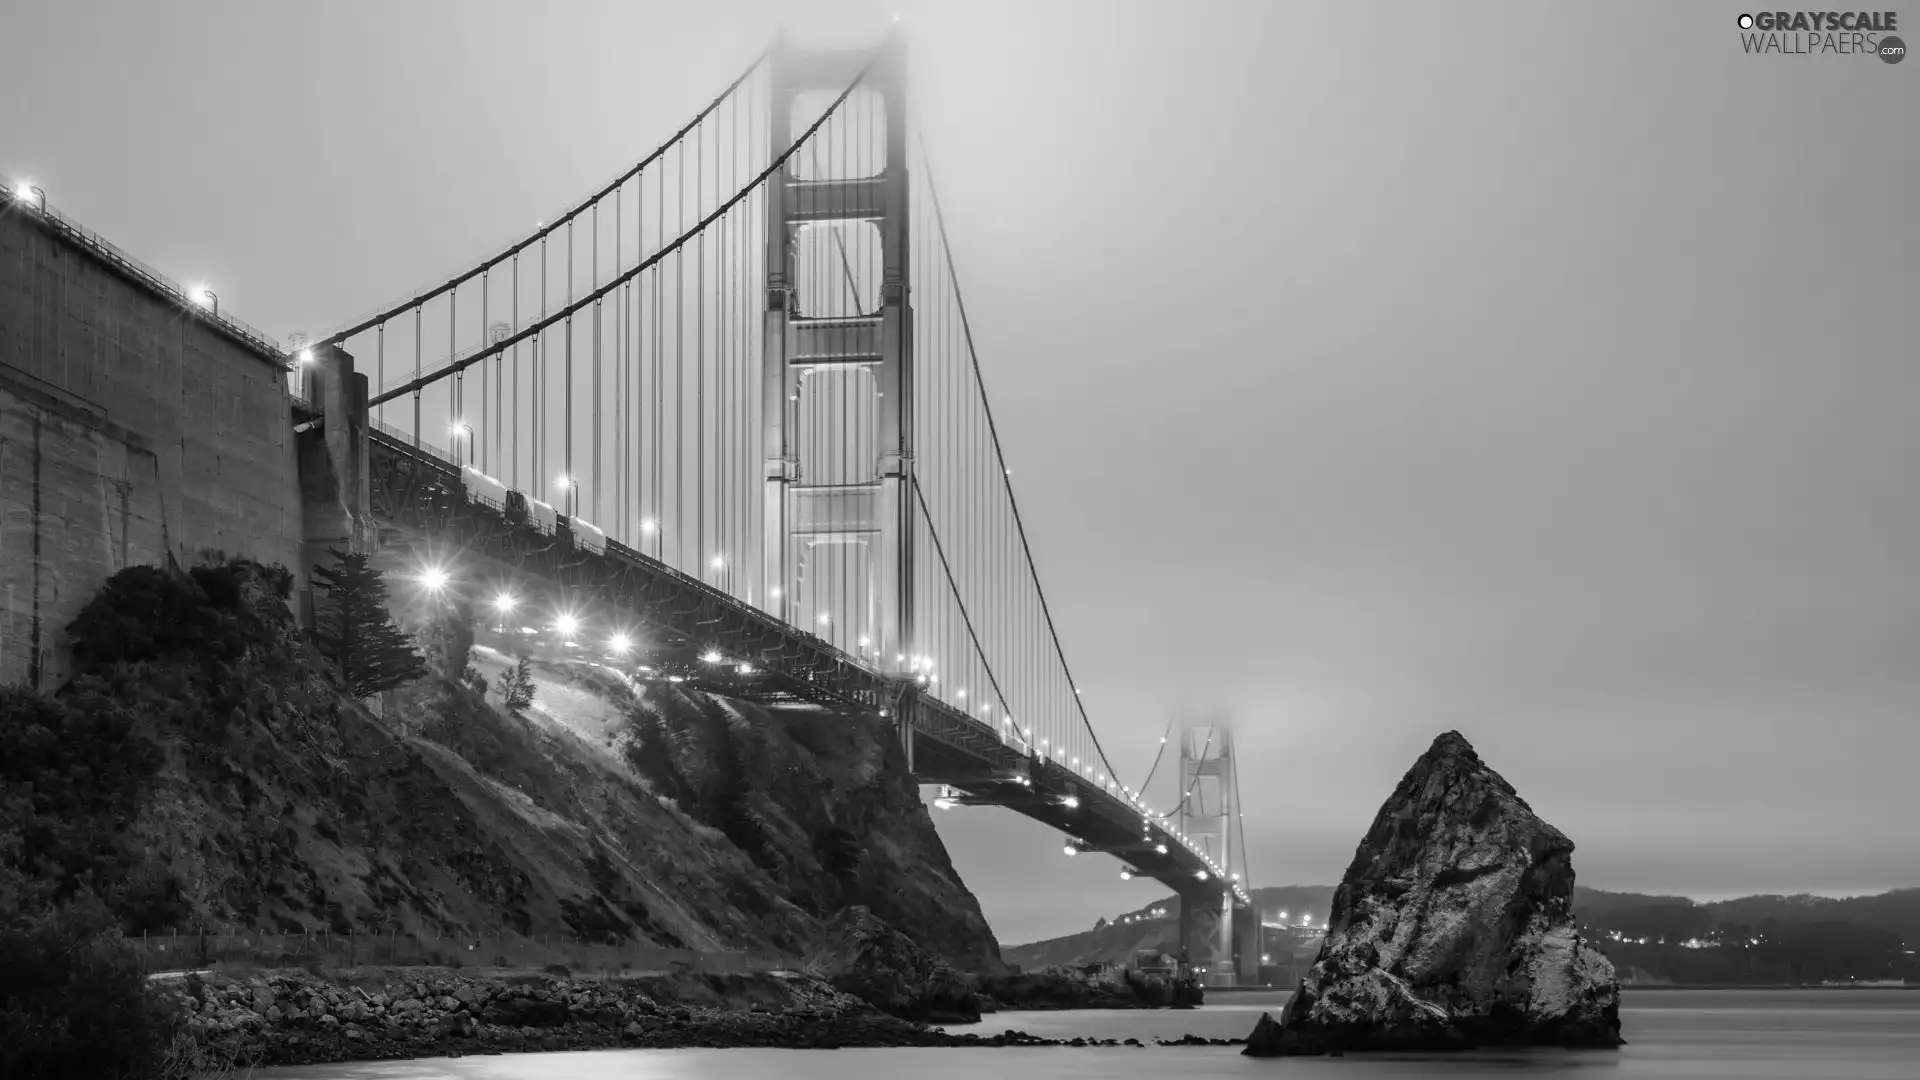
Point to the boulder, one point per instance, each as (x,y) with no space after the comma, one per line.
(871,960)
(1452,928)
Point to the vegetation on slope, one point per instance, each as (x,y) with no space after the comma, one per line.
(208,770)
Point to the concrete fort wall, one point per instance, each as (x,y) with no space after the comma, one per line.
(131,429)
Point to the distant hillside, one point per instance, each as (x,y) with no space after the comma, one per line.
(1654,939)
(1156,926)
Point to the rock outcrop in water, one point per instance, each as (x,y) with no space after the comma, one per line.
(1453,928)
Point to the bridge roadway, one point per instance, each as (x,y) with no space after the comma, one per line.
(416,488)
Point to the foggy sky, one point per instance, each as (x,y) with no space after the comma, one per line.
(1368,371)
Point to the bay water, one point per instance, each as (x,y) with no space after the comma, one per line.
(1671,1035)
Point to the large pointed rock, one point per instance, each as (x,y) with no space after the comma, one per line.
(1453,928)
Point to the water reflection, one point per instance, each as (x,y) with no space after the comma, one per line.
(1673,1035)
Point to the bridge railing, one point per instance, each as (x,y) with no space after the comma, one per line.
(146,275)
(404,438)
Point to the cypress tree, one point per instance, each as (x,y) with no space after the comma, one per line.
(355,630)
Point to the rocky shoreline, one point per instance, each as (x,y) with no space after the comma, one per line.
(296,1018)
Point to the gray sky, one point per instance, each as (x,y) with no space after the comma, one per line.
(1369,370)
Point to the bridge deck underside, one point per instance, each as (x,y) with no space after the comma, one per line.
(417,490)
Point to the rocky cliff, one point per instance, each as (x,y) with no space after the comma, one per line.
(1453,927)
(257,795)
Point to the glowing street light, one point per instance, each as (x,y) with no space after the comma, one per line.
(619,644)
(746,669)
(566,624)
(1201,874)
(306,356)
(504,603)
(204,297)
(648,525)
(29,194)
(712,656)
(434,578)
(825,618)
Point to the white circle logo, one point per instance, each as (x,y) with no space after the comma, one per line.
(1746,22)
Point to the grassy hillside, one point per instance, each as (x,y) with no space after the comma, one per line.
(264,798)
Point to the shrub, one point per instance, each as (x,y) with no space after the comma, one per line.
(72,772)
(516,687)
(146,613)
(74,999)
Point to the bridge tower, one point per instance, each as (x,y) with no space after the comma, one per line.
(821,516)
(1211,930)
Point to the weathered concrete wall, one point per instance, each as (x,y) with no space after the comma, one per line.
(130,429)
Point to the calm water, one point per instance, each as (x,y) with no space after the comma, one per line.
(1673,1034)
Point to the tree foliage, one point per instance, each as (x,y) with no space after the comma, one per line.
(838,850)
(73,773)
(447,638)
(355,631)
(154,613)
(516,687)
(74,1001)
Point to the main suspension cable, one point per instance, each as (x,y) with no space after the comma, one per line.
(646,264)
